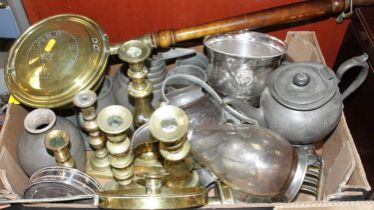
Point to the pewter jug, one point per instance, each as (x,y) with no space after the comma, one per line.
(200,107)
(31,150)
(302,101)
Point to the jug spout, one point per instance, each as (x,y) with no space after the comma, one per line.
(245,108)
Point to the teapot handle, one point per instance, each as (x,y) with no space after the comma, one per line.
(358,61)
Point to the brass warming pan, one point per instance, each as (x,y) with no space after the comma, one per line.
(56,58)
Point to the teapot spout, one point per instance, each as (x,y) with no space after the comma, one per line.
(245,108)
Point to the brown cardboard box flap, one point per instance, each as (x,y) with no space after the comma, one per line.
(12,128)
(343,170)
(302,46)
(367,205)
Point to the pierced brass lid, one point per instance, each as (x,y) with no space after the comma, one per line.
(55,59)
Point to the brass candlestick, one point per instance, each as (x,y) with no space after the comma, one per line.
(114,121)
(98,162)
(58,142)
(140,88)
(169,125)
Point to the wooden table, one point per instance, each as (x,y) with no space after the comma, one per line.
(359,107)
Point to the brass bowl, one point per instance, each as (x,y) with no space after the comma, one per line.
(56,58)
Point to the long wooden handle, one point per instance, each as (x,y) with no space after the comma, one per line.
(274,16)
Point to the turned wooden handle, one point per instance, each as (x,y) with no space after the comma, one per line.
(274,16)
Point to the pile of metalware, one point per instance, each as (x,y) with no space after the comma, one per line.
(170,129)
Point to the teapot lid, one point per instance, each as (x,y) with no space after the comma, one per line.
(303,85)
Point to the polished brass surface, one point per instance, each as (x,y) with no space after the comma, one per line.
(179,179)
(134,51)
(148,157)
(114,121)
(98,163)
(140,88)
(58,142)
(86,100)
(56,58)
(153,194)
(169,125)
(143,110)
(147,39)
(223,195)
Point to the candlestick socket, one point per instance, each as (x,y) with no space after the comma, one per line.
(134,51)
(168,124)
(58,142)
(86,100)
(114,120)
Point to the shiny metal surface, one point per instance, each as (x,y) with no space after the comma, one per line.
(168,123)
(199,106)
(141,136)
(248,158)
(156,70)
(121,81)
(115,121)
(153,195)
(59,181)
(173,53)
(58,142)
(172,198)
(182,92)
(304,112)
(31,151)
(240,62)
(56,58)
(148,159)
(99,161)
(135,53)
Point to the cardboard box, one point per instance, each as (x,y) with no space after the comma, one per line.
(344,176)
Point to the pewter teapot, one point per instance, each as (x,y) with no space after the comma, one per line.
(302,101)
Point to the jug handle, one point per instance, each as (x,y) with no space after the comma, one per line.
(246,109)
(211,91)
(358,61)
